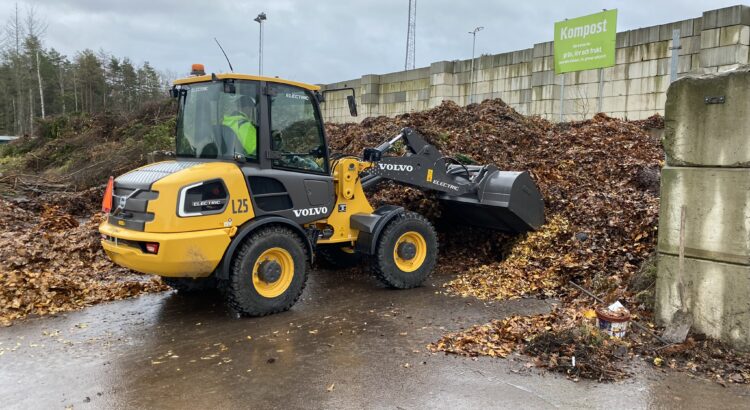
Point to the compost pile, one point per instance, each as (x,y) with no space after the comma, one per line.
(51,260)
(596,177)
(600,182)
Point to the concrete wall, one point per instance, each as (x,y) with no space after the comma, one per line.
(634,88)
(708,171)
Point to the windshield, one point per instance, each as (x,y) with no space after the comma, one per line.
(214,122)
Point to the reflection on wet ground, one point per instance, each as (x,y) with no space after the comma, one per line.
(347,344)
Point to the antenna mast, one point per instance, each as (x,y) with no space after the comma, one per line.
(225,54)
(410,36)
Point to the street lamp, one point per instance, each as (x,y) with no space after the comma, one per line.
(473,46)
(260,19)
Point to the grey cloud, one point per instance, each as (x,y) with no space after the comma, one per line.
(321,41)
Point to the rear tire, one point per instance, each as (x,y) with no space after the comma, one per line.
(406,252)
(268,272)
(190,285)
(339,257)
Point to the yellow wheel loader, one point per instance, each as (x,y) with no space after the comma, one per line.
(253,194)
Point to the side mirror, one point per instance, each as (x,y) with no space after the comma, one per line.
(174,92)
(352,105)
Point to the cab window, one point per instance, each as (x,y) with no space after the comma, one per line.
(296,134)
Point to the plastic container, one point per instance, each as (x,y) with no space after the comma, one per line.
(611,323)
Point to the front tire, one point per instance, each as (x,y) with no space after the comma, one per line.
(406,252)
(268,273)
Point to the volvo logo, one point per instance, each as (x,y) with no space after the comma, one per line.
(321,210)
(396,167)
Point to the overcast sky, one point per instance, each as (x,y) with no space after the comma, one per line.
(321,41)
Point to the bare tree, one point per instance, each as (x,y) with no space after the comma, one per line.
(14,32)
(35,30)
(582,101)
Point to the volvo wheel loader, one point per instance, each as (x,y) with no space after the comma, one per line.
(249,216)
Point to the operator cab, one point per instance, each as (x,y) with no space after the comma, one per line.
(273,130)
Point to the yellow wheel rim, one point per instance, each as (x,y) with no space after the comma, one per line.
(278,287)
(416,239)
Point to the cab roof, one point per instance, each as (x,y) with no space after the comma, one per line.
(234,76)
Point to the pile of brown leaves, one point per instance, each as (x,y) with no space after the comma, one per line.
(593,175)
(562,341)
(51,261)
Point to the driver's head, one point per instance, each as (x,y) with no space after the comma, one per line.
(237,104)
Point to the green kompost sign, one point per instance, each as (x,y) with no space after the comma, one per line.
(585,42)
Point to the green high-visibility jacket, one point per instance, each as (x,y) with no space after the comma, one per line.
(245,131)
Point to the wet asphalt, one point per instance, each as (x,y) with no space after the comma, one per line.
(348,343)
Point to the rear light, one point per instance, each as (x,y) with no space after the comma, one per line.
(107,201)
(152,247)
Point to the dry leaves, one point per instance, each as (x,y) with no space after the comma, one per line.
(51,261)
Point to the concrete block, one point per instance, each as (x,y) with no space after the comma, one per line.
(697,26)
(716,297)
(663,65)
(370,99)
(684,64)
(522,56)
(717,213)
(587,76)
(441,67)
(708,134)
(549,63)
(371,88)
(611,104)
(370,78)
(542,78)
(501,59)
(441,78)
(690,45)
(622,39)
(417,74)
(543,49)
(713,57)
(686,27)
(616,72)
(734,35)
(726,17)
(635,102)
(526,96)
(462,66)
(710,38)
(537,64)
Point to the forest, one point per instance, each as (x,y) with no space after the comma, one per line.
(37,81)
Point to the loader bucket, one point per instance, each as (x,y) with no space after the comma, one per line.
(504,200)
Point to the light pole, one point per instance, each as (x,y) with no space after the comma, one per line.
(473,46)
(260,19)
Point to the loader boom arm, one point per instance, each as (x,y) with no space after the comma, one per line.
(423,166)
(481,195)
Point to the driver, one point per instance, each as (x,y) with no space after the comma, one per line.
(238,118)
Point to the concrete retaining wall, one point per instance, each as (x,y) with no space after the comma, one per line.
(634,88)
(714,139)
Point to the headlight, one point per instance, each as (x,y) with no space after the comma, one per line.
(203,198)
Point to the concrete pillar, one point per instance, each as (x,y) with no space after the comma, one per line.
(707,145)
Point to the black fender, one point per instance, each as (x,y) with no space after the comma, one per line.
(371,225)
(253,225)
